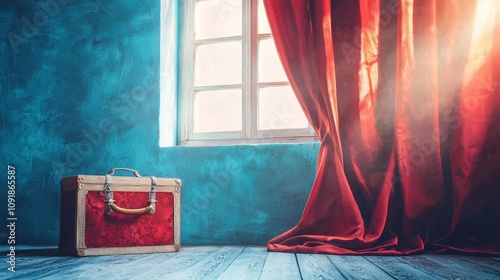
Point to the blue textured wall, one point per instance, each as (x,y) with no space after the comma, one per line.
(79,89)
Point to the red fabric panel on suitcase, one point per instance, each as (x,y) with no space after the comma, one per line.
(120,230)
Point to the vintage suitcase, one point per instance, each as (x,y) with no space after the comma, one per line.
(102,215)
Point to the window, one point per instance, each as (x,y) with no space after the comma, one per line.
(233,86)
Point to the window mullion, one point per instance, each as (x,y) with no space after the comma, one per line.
(253,68)
(246,79)
(185,129)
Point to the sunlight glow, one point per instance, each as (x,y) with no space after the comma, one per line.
(168,76)
(368,72)
(481,43)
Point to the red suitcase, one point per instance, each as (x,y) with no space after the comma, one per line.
(147,219)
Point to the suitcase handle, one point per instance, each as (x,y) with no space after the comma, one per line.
(110,202)
(130,211)
(112,171)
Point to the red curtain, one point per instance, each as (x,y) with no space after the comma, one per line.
(405,98)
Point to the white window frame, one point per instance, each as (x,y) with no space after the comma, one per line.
(249,86)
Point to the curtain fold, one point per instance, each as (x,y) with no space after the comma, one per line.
(405,98)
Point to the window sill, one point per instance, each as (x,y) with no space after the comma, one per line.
(254,141)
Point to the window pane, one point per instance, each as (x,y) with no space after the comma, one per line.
(270,68)
(216,18)
(218,64)
(263,27)
(279,109)
(216,111)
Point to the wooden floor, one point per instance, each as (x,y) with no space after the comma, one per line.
(243,262)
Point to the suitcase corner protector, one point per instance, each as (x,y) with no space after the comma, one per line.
(80,252)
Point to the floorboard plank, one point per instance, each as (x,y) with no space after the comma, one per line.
(317,266)
(248,265)
(280,266)
(211,267)
(439,269)
(178,262)
(139,266)
(35,262)
(106,267)
(38,263)
(479,267)
(398,269)
(495,258)
(357,267)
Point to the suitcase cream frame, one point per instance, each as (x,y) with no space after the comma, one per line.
(82,184)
